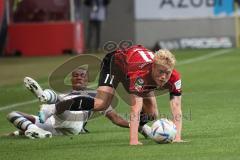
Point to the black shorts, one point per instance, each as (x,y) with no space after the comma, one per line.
(110,74)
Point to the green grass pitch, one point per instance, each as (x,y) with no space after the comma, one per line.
(211,86)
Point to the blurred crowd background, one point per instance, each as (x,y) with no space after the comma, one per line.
(54,27)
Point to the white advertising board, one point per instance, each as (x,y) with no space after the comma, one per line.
(182,9)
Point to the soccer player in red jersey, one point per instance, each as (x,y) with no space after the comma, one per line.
(141,72)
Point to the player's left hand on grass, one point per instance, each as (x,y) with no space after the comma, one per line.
(135,144)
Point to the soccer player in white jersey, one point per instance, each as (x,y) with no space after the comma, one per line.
(59,118)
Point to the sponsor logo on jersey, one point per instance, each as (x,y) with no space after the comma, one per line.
(139,84)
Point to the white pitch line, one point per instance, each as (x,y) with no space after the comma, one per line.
(18,104)
(189,61)
(201,58)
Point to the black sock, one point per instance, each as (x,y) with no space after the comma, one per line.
(144,118)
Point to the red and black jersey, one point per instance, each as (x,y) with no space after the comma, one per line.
(133,67)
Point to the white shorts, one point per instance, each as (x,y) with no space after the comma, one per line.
(69,122)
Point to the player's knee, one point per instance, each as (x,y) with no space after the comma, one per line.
(100,105)
(103,98)
(12,114)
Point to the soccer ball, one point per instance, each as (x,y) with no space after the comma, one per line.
(163,131)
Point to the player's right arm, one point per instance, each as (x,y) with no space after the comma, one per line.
(117,119)
(136,107)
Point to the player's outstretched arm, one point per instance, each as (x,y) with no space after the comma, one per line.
(175,104)
(136,107)
(117,119)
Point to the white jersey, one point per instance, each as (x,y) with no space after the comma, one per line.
(68,122)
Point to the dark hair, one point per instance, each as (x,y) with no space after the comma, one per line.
(85,68)
(81,68)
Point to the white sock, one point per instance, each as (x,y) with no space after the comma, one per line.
(51,96)
(20,121)
(147,130)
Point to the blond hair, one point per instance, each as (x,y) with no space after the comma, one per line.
(164,57)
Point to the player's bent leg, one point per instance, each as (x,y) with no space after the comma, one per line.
(19,121)
(103,98)
(16,118)
(25,123)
